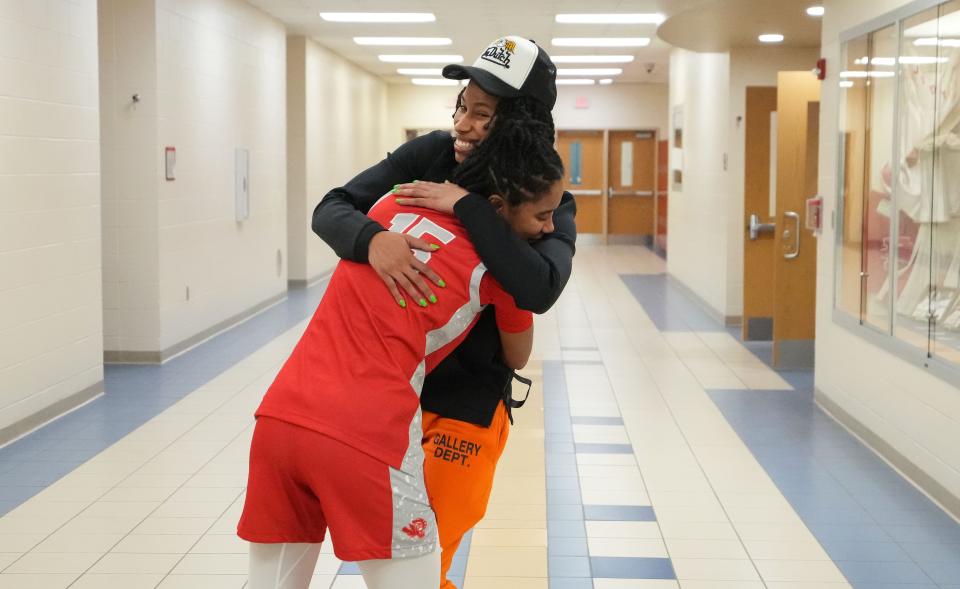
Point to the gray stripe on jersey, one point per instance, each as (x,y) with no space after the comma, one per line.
(461,319)
(414,523)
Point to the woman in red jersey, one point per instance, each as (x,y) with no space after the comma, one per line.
(338,439)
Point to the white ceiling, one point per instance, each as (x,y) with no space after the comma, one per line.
(473,25)
(692,24)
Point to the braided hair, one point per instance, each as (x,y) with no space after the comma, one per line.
(517,159)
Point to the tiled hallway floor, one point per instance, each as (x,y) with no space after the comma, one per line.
(656,452)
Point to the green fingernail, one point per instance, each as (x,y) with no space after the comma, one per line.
(402,303)
(433,299)
(422,302)
(395,186)
(416,181)
(434,246)
(442,283)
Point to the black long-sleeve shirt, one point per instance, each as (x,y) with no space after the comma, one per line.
(469,384)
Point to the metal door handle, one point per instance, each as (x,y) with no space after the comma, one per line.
(796,235)
(756,227)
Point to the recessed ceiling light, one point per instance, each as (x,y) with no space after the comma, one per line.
(654,18)
(815,11)
(934,41)
(592,58)
(575,82)
(871,74)
(606,82)
(434,82)
(420,71)
(771,38)
(421,58)
(408,41)
(600,41)
(590,71)
(387,17)
(846,84)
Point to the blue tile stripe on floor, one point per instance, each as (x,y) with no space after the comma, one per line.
(569,563)
(134,394)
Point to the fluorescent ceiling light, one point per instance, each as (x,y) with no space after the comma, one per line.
(815,11)
(387,17)
(862,74)
(592,58)
(407,41)
(606,82)
(770,38)
(575,82)
(654,18)
(590,71)
(600,41)
(934,41)
(420,71)
(434,82)
(907,59)
(846,84)
(421,58)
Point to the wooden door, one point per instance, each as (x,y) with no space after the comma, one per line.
(758,248)
(795,267)
(582,154)
(632,182)
(660,208)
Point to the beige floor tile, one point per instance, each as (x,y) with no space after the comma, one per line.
(174,525)
(66,542)
(53,563)
(132,509)
(489,561)
(221,544)
(726,549)
(20,542)
(809,571)
(117,563)
(192,509)
(217,564)
(156,543)
(504,582)
(694,584)
(205,581)
(627,547)
(114,581)
(6,558)
(715,569)
(347,582)
(37,581)
(322,581)
(808,549)
(509,537)
(634,584)
(612,529)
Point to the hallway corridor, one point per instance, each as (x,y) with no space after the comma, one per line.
(657,451)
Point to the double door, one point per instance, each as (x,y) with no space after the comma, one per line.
(612,175)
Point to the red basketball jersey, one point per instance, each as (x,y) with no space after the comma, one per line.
(356,373)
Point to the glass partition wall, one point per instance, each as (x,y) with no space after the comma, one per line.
(899,223)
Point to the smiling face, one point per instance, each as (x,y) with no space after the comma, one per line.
(531,219)
(472,120)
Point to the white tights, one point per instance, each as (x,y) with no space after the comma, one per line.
(290,566)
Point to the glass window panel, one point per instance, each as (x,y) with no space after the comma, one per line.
(939,151)
(881,90)
(853,133)
(918,96)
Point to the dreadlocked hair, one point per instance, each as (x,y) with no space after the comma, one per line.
(517,159)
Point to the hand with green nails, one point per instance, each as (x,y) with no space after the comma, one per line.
(429,195)
(406,277)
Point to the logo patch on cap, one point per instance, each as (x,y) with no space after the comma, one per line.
(500,52)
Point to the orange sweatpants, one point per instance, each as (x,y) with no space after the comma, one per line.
(459,463)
